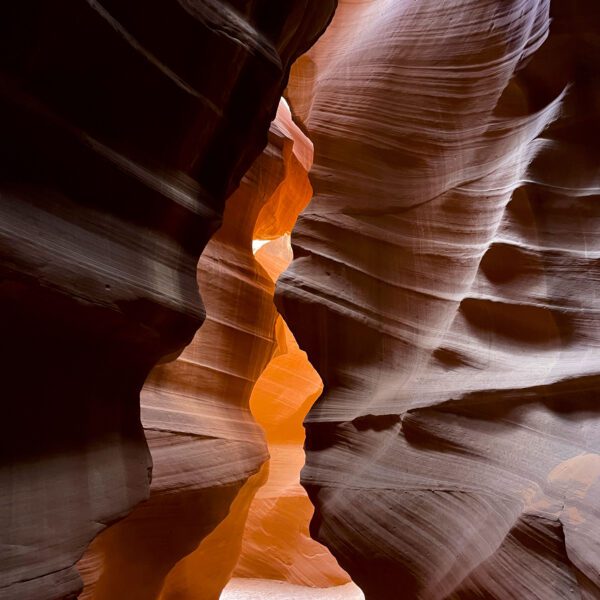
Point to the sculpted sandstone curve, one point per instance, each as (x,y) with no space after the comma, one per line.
(444,289)
(276,544)
(125,126)
(206,447)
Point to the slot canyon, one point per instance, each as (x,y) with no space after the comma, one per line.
(300,300)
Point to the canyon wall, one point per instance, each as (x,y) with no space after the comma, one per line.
(276,543)
(125,126)
(444,286)
(206,447)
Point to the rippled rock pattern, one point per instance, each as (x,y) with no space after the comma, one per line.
(207,449)
(276,543)
(125,125)
(445,289)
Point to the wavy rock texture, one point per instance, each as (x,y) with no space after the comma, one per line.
(276,544)
(120,142)
(445,290)
(204,441)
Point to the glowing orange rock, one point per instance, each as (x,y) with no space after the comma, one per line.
(277,542)
(204,441)
(205,572)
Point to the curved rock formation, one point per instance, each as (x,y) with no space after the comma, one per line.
(120,142)
(204,441)
(276,544)
(444,289)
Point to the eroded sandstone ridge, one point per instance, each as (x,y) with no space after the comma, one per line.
(125,125)
(209,453)
(445,288)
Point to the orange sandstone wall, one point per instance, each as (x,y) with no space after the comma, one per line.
(277,543)
(206,447)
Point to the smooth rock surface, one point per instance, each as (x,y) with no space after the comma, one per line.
(260,589)
(207,449)
(444,286)
(276,543)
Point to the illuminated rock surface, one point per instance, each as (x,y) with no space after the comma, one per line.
(445,289)
(186,540)
(120,142)
(261,589)
(276,542)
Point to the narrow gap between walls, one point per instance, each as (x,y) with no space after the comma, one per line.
(279,559)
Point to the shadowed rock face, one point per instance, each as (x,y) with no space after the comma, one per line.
(125,125)
(445,288)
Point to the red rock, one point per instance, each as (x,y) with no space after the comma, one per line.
(443,289)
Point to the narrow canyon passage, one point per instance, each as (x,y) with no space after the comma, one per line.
(299,300)
(276,543)
(224,421)
(268,522)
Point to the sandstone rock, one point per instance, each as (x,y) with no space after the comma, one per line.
(204,441)
(276,543)
(125,125)
(444,289)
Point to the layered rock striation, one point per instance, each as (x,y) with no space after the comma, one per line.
(124,129)
(276,543)
(444,289)
(209,453)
